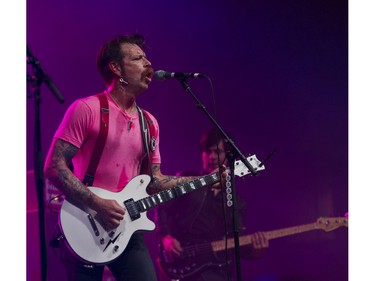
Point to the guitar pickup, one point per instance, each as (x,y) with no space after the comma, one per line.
(132,209)
(93,224)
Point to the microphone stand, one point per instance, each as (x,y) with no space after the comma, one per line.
(231,155)
(34,82)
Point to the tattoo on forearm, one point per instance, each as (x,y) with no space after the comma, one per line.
(168,182)
(155,169)
(63,177)
(162,182)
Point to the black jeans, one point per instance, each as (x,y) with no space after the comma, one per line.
(134,264)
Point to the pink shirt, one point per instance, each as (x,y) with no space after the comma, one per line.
(123,152)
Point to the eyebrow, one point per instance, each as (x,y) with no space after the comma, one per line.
(137,54)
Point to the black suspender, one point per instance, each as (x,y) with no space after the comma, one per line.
(100,142)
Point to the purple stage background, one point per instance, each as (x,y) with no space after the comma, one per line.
(280,75)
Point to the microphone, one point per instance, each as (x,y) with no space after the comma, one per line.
(164,75)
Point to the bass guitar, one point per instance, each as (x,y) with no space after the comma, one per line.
(196,257)
(92,243)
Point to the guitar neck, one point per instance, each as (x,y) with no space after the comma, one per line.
(156,199)
(247,239)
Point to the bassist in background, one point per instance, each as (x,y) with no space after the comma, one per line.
(127,73)
(198,217)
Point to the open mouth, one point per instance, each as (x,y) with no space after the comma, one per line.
(149,74)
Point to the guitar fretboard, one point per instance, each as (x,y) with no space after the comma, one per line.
(326,224)
(290,230)
(156,199)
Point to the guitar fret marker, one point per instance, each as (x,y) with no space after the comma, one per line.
(146,203)
(159,197)
(154,201)
(149,203)
(143,205)
(170,194)
(162,194)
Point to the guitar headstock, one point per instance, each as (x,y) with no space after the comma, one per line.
(328,224)
(241,170)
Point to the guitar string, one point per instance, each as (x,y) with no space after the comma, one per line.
(198,250)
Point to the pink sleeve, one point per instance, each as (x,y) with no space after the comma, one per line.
(76,123)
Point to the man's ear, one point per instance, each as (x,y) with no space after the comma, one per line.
(115,68)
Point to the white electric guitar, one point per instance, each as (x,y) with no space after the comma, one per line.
(89,240)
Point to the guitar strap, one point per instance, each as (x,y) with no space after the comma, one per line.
(149,133)
(100,142)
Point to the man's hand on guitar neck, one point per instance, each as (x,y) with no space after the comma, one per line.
(223,174)
(259,240)
(172,246)
(259,244)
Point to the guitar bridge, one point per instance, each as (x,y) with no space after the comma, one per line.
(132,209)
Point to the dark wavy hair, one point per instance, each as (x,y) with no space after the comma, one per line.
(111,51)
(210,138)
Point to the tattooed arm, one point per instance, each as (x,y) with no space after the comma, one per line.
(57,171)
(164,182)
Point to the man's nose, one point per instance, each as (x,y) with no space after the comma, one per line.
(147,62)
